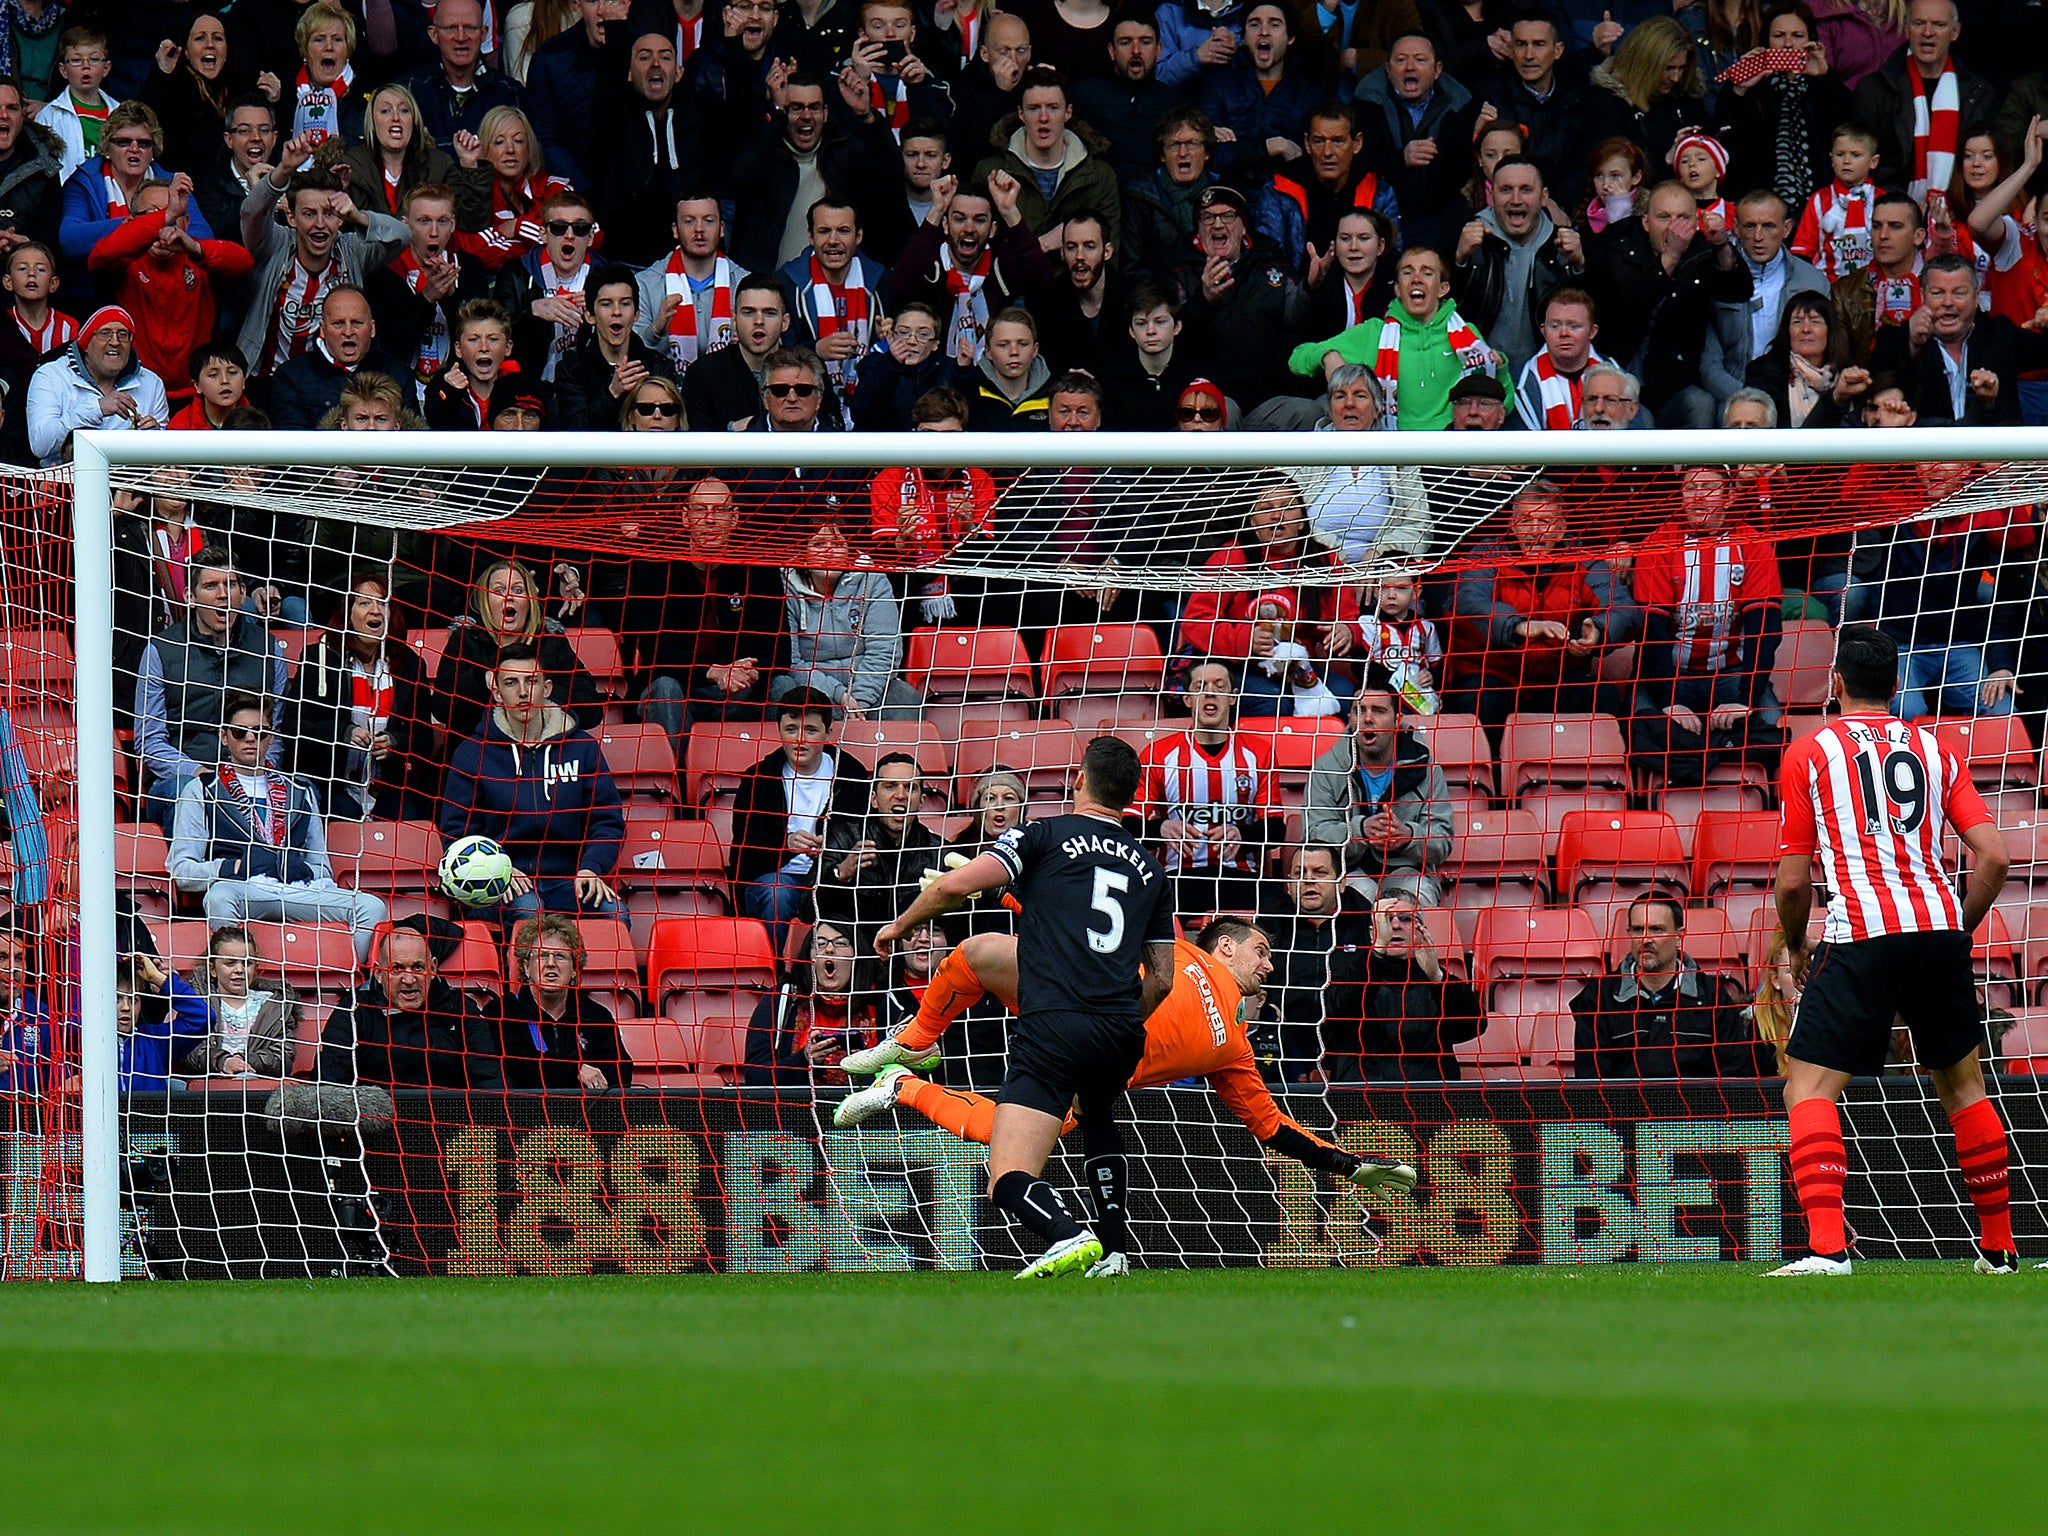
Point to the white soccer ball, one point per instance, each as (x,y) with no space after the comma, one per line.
(476,871)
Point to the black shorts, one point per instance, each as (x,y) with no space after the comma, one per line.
(1854,991)
(1056,1058)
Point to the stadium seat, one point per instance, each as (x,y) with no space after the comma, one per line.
(1734,850)
(392,859)
(306,1037)
(1441,925)
(952,721)
(867,742)
(1552,765)
(180,941)
(1102,658)
(642,759)
(1291,746)
(1608,858)
(1045,754)
(140,867)
(951,665)
(37,667)
(1729,787)
(1800,726)
(1996,960)
(1100,714)
(1806,655)
(706,974)
(2000,757)
(1458,745)
(720,753)
(318,959)
(612,968)
(598,650)
(1528,960)
(291,644)
(1496,861)
(428,645)
(671,869)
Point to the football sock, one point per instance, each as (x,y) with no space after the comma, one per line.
(967,1115)
(1037,1204)
(953,989)
(1980,1149)
(1106,1179)
(1819,1164)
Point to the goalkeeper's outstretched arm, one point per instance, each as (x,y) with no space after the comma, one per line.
(1245,1094)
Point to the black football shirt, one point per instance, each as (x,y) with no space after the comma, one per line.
(1093,899)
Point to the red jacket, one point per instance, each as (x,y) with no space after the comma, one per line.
(170,296)
(1219,623)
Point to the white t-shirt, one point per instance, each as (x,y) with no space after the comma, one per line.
(810,801)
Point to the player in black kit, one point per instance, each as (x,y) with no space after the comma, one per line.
(1095,905)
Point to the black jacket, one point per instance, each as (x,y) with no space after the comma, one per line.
(884,888)
(1137,401)
(648,159)
(1126,116)
(1555,126)
(1995,343)
(1481,281)
(462,690)
(583,382)
(1309,960)
(1655,322)
(317,722)
(1750,123)
(681,618)
(760,813)
(309,386)
(1243,341)
(1390,1023)
(450,1045)
(888,389)
(543,1055)
(765,179)
(781,1025)
(1696,1031)
(1068,338)
(31,195)
(719,389)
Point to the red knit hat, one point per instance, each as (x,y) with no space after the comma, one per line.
(105,315)
(1706,142)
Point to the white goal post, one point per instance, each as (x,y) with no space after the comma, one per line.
(104,461)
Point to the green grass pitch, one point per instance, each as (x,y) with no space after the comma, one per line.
(1667,1399)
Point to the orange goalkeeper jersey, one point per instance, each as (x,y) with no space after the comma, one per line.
(1199,1032)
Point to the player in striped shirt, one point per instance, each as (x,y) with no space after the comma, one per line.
(1209,800)
(1873,796)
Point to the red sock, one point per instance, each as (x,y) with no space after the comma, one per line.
(1980,1149)
(1819,1164)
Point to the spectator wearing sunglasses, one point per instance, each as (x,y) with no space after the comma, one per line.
(653,405)
(248,838)
(1201,408)
(794,389)
(552,304)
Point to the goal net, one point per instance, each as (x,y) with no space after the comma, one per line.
(1437,724)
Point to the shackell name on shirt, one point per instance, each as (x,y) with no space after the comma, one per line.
(1076,847)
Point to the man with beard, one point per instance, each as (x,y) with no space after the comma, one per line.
(1080,319)
(971,259)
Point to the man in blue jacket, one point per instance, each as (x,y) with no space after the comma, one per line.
(534,781)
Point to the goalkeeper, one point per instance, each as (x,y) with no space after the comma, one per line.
(1198,1031)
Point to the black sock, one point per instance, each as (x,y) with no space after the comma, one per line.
(1107,1176)
(1037,1204)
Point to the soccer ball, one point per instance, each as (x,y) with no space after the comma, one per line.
(476,871)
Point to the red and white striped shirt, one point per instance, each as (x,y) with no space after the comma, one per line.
(1873,796)
(1206,787)
(1704,584)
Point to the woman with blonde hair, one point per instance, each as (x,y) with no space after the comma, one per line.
(528,24)
(999,803)
(506,147)
(397,154)
(1776,998)
(507,607)
(1649,90)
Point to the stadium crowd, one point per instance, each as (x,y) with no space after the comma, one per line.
(863,215)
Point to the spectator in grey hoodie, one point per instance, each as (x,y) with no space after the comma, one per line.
(1377,795)
(845,632)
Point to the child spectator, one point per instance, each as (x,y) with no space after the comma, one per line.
(254,1028)
(1616,167)
(460,393)
(27,1042)
(166,279)
(156,1011)
(77,115)
(781,812)
(1699,164)
(902,370)
(1405,643)
(38,329)
(220,381)
(1834,230)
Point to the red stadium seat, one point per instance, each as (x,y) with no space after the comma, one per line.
(612,970)
(1806,656)
(180,941)
(1999,755)
(1101,714)
(318,959)
(291,644)
(1045,755)
(642,759)
(428,645)
(1291,746)
(720,754)
(956,664)
(952,721)
(1729,787)
(1734,849)
(1496,861)
(37,667)
(392,859)
(1458,745)
(306,1037)
(1102,658)
(598,650)
(671,869)
(2025,1046)
(1800,726)
(706,974)
(1606,858)
(1997,962)
(140,867)
(1529,960)
(1441,925)
(1571,752)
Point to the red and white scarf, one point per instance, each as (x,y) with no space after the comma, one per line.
(295,314)
(1560,397)
(1720,208)
(1841,216)
(969,30)
(970,306)
(317,108)
(689,37)
(1465,345)
(1935,125)
(117,200)
(369,695)
(891,100)
(841,307)
(1354,304)
(682,325)
(515,215)
(273,826)
(1897,297)
(432,350)
(57,330)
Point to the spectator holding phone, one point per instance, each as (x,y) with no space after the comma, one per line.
(799,1035)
